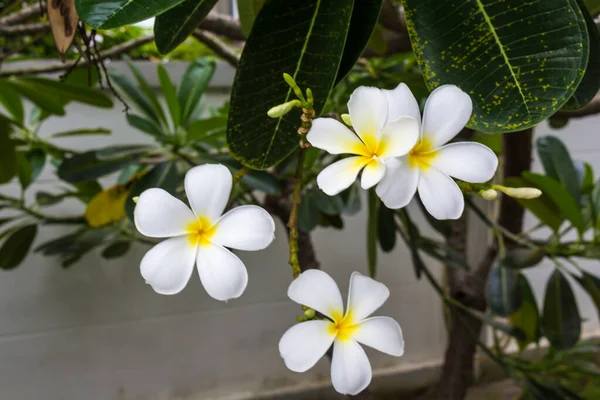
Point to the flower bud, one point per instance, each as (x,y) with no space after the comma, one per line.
(489,194)
(309,313)
(135,199)
(346,119)
(525,193)
(282,109)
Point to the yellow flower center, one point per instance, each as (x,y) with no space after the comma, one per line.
(343,327)
(422,155)
(200,231)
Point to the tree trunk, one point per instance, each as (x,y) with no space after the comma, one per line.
(468,286)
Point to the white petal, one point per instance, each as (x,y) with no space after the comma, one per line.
(350,368)
(381,333)
(399,185)
(402,103)
(304,344)
(317,290)
(222,273)
(467,161)
(440,195)
(245,228)
(167,267)
(398,137)
(365,296)
(335,138)
(208,187)
(340,175)
(158,214)
(368,111)
(447,111)
(372,173)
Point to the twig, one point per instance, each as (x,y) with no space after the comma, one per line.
(112,52)
(218,46)
(24,29)
(223,25)
(239,174)
(22,15)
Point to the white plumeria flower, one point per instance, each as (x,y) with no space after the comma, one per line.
(431,163)
(382,135)
(200,235)
(305,343)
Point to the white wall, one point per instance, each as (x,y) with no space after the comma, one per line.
(97,331)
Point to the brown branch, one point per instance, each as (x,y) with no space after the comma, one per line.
(592,108)
(223,25)
(22,15)
(24,29)
(218,46)
(392,17)
(57,67)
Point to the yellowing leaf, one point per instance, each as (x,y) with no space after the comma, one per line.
(63,20)
(107,206)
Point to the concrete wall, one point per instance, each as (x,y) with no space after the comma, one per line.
(97,331)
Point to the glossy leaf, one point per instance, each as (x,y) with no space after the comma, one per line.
(372,231)
(16,246)
(37,159)
(248,10)
(193,84)
(504,297)
(519,61)
(386,228)
(558,164)
(108,14)
(170,93)
(132,94)
(128,173)
(43,100)
(147,92)
(116,250)
(559,196)
(590,84)
(171,28)
(11,101)
(542,207)
(79,132)
(527,317)
(144,125)
(561,323)
(88,166)
(278,46)
(8,156)
(163,176)
(201,129)
(66,91)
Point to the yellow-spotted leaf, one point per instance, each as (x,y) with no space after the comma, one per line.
(107,206)
(520,61)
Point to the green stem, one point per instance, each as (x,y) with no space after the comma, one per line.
(372,226)
(293,221)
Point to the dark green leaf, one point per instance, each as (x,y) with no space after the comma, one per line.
(108,14)
(591,284)
(144,125)
(559,196)
(386,228)
(118,151)
(132,94)
(78,132)
(88,166)
(37,159)
(561,323)
(16,246)
(24,170)
(248,10)
(330,205)
(587,183)
(519,61)
(11,101)
(590,84)
(333,221)
(66,91)
(171,28)
(163,176)
(116,250)
(504,297)
(527,317)
(364,19)
(308,213)
(372,231)
(351,198)
(193,84)
(276,46)
(412,243)
(203,128)
(557,122)
(441,226)
(263,181)
(8,156)
(86,190)
(128,173)
(523,257)
(542,207)
(558,164)
(593,7)
(147,91)
(48,199)
(43,100)
(170,93)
